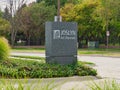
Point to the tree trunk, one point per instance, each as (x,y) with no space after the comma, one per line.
(28,40)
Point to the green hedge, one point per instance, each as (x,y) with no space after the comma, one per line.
(33,69)
(4,48)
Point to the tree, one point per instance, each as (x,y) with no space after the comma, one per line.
(6,14)
(62,2)
(1,14)
(33,19)
(89,27)
(109,13)
(94,18)
(14,6)
(4,27)
(66,11)
(52,2)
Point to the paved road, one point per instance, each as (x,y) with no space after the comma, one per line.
(106,66)
(28,54)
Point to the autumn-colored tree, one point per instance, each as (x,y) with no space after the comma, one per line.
(84,14)
(67,12)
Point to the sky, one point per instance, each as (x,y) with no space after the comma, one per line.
(3,3)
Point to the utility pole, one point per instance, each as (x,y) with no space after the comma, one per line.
(58,11)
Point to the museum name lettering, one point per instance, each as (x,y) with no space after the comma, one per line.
(64,34)
(68,32)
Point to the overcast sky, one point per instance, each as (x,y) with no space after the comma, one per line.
(3,3)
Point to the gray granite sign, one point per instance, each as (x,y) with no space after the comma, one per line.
(61,42)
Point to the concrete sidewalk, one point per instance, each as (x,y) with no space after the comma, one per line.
(69,83)
(63,83)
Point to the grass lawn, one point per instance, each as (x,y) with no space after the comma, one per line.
(103,52)
(28,57)
(41,50)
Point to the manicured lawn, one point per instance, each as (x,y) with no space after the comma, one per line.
(42,50)
(103,52)
(28,57)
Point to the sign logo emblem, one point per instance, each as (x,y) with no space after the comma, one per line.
(56,34)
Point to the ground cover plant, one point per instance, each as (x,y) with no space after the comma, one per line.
(20,68)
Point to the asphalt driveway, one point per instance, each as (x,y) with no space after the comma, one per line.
(106,66)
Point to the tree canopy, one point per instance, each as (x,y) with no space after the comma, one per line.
(33,19)
(94,18)
(4,27)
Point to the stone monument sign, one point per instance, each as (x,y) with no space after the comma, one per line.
(61,42)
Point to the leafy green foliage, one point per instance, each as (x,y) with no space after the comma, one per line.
(4,27)
(1,13)
(33,19)
(4,48)
(17,68)
(54,2)
(83,13)
(94,18)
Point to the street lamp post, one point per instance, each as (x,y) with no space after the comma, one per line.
(58,18)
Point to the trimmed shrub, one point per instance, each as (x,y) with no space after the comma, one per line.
(4,48)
